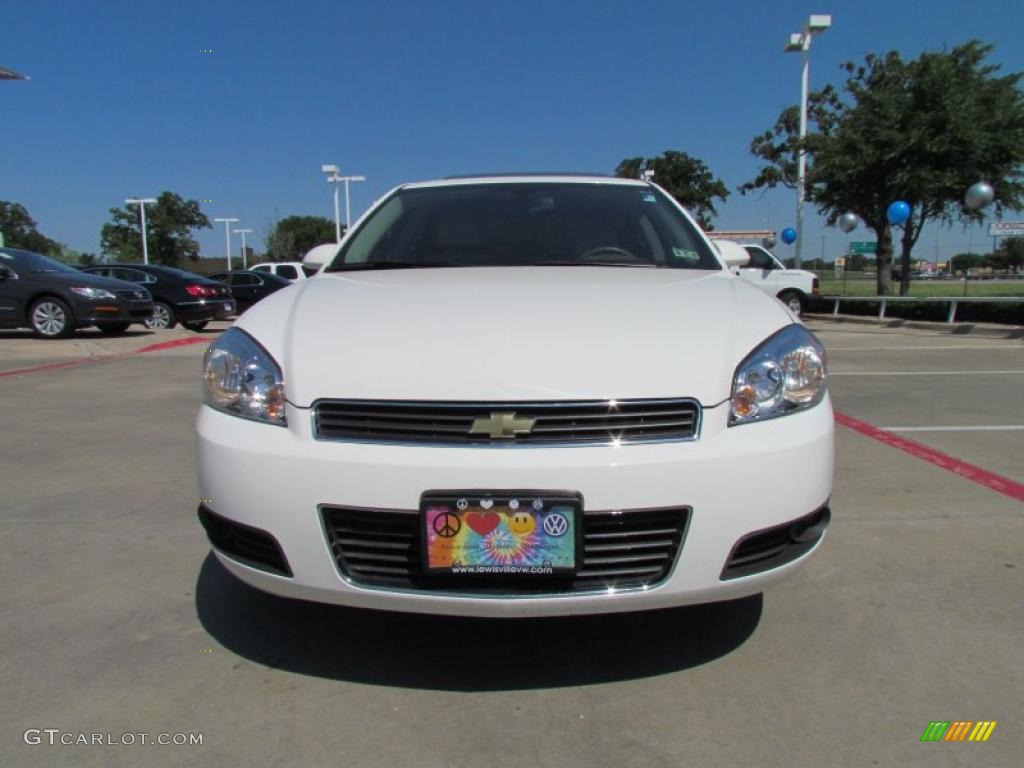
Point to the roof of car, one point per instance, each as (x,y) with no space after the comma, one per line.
(541,178)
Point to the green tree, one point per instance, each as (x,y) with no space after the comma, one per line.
(856,262)
(169,226)
(921,131)
(686,178)
(293,236)
(20,231)
(964,261)
(1010,254)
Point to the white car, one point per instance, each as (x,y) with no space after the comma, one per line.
(793,287)
(517,396)
(291,270)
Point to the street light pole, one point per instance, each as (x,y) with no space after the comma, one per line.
(334,177)
(141,202)
(227,239)
(348,212)
(801,41)
(243,233)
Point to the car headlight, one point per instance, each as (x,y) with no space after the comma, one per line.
(93,293)
(240,378)
(784,374)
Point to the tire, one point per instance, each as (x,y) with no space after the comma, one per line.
(197,326)
(794,301)
(112,329)
(162,317)
(51,318)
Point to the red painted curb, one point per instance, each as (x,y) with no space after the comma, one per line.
(171,344)
(975,474)
(100,358)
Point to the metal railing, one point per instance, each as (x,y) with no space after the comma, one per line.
(953,301)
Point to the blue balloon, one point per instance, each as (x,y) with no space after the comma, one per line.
(788,235)
(898,212)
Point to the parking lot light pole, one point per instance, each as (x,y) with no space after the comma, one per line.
(141,202)
(348,212)
(243,233)
(227,239)
(800,42)
(334,177)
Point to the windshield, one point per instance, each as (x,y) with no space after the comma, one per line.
(29,262)
(526,224)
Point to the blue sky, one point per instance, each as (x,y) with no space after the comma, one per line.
(123,101)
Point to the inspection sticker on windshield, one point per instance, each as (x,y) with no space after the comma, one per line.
(649,198)
(685,254)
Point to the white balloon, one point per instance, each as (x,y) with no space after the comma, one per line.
(979,195)
(848,222)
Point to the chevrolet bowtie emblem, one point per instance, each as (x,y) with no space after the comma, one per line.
(502,425)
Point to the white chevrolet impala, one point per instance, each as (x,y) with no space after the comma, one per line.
(517,396)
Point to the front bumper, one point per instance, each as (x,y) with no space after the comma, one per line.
(97,312)
(737,481)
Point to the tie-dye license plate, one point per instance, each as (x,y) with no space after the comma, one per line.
(501,534)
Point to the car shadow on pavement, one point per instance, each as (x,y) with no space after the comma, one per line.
(464,654)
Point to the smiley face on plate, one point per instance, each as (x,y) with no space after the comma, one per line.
(521,523)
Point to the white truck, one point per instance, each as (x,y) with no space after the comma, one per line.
(793,287)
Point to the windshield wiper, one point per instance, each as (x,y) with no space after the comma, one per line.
(366,265)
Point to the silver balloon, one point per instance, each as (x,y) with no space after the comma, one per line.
(848,222)
(979,195)
(769,242)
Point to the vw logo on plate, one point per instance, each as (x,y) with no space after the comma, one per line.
(555,524)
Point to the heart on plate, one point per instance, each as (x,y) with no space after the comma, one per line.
(483,524)
(486,503)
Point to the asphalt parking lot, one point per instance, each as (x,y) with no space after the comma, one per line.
(118,621)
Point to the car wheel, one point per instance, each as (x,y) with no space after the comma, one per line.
(112,329)
(793,300)
(196,326)
(51,318)
(162,317)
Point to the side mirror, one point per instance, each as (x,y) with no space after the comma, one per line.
(733,254)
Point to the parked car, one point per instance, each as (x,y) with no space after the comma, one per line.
(247,288)
(292,270)
(54,299)
(178,296)
(793,287)
(517,396)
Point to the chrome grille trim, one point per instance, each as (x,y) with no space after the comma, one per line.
(623,550)
(557,423)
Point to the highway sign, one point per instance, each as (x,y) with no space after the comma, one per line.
(864,247)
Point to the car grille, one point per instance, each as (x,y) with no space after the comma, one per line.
(570,422)
(252,546)
(621,549)
(781,544)
(127,294)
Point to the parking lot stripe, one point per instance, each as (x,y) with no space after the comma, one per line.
(920,373)
(926,348)
(992,428)
(101,358)
(998,483)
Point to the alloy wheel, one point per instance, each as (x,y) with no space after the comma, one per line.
(48,318)
(160,318)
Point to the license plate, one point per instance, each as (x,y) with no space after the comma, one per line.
(504,534)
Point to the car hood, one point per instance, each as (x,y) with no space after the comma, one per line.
(515,333)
